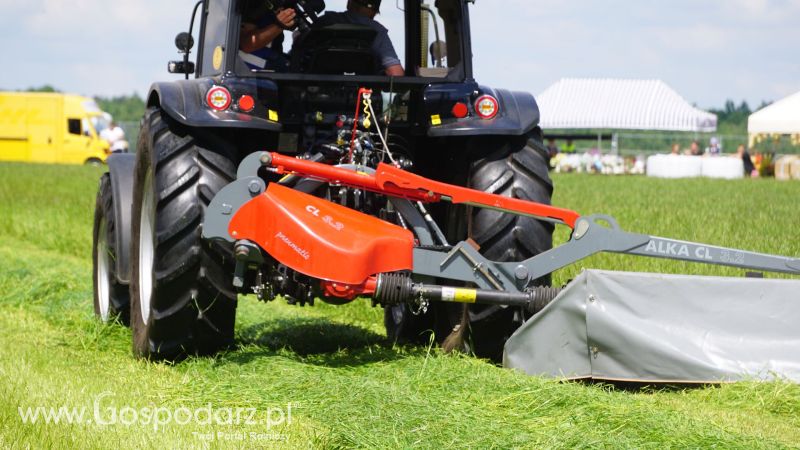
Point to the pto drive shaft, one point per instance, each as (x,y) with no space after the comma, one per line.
(393,289)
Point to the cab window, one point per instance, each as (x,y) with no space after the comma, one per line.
(215,33)
(431,48)
(86,127)
(74,126)
(441,30)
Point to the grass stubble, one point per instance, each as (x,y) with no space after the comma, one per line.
(346,386)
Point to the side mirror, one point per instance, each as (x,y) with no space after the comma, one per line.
(439,52)
(184,41)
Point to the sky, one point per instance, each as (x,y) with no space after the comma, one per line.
(707,50)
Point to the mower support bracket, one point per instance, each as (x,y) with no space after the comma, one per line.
(463,263)
(226,203)
(591,234)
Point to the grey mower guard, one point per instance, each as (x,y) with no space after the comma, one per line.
(663,328)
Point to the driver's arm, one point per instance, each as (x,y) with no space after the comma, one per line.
(387,55)
(395,71)
(252,38)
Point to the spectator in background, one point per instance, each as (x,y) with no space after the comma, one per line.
(713,148)
(749,167)
(115,136)
(676,149)
(552,151)
(568,147)
(694,149)
(552,148)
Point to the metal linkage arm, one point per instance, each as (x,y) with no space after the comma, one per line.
(389,180)
(591,237)
(593,234)
(689,251)
(466,264)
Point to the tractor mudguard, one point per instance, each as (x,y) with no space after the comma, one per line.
(184,101)
(120,170)
(518,115)
(321,239)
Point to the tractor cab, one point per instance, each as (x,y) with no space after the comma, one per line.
(316,72)
(429,39)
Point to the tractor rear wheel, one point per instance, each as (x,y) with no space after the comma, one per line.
(111,299)
(513,167)
(182,297)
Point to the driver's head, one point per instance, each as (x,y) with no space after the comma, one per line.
(372,5)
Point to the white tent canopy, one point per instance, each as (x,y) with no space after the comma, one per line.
(781,117)
(583,103)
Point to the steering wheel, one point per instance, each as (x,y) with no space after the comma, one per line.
(308,12)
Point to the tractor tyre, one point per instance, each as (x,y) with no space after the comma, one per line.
(404,326)
(514,167)
(517,168)
(182,296)
(111,298)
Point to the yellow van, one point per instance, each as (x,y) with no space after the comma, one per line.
(51,128)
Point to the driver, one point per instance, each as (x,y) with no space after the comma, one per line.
(261,40)
(363,12)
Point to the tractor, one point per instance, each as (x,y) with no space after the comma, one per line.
(155,269)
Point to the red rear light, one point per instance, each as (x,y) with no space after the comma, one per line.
(486,107)
(460,110)
(218,98)
(246,103)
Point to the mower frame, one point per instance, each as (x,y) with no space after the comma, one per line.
(462,262)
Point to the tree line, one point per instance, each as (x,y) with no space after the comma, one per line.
(732,118)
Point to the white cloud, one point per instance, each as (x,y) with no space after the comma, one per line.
(96,18)
(693,38)
(760,10)
(104,78)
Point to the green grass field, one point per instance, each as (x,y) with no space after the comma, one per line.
(331,367)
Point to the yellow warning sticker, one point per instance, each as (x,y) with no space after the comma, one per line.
(217,58)
(459,295)
(466,295)
(436,119)
(273,115)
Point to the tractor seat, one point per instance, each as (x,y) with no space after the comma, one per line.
(336,50)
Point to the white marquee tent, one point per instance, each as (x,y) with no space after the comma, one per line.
(781,117)
(581,103)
